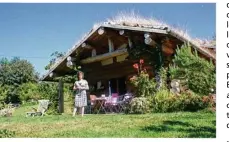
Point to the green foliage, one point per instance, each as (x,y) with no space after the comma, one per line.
(50,91)
(164,101)
(16,72)
(8,94)
(144,85)
(4,133)
(163,73)
(160,101)
(139,105)
(3,95)
(28,91)
(197,73)
(142,50)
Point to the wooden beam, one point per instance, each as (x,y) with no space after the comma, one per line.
(101,31)
(167,50)
(122,46)
(70,64)
(121,32)
(61,97)
(168,47)
(53,74)
(147,35)
(149,41)
(104,56)
(143,29)
(69,58)
(93,53)
(111,45)
(86,46)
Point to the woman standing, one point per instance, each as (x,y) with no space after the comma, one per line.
(80,87)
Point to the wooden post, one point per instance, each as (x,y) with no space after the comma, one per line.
(93,53)
(111,45)
(159,65)
(61,97)
(130,43)
(117,81)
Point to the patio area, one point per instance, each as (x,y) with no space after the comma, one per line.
(107,105)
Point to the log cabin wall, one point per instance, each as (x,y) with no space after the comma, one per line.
(96,72)
(120,36)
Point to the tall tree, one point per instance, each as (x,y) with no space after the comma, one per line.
(16,72)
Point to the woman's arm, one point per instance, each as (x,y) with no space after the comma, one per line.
(85,86)
(75,87)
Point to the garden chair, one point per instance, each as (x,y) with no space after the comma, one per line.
(114,95)
(91,104)
(121,103)
(40,111)
(115,104)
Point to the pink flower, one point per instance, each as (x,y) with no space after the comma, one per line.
(141,61)
(135,66)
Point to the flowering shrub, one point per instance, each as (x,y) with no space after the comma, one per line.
(164,101)
(143,84)
(139,105)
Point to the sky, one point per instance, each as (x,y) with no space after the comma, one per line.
(34,31)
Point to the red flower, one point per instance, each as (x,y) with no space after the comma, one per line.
(141,61)
(135,66)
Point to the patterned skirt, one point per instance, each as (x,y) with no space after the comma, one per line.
(81,99)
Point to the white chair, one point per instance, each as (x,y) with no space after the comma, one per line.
(40,111)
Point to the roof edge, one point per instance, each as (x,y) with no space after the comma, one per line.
(70,52)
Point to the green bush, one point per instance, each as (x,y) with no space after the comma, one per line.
(191,102)
(4,133)
(139,105)
(196,72)
(28,91)
(50,91)
(144,85)
(164,101)
(8,94)
(3,95)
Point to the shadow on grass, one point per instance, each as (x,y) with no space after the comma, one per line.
(187,129)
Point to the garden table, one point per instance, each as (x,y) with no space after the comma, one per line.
(100,104)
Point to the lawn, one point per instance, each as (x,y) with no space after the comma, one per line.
(157,125)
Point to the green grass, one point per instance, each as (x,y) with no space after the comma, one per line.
(158,125)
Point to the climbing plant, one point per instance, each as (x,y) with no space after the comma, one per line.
(153,54)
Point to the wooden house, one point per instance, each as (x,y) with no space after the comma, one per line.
(104,57)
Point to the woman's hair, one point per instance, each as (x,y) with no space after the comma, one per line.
(80,72)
